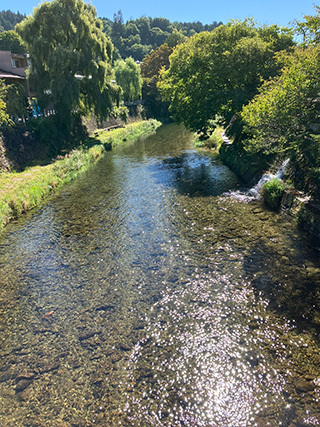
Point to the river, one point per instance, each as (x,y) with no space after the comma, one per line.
(145,294)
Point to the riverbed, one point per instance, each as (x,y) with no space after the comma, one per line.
(147,294)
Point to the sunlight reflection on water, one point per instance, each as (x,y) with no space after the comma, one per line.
(201,360)
(142,296)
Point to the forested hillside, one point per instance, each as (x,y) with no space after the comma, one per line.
(8,19)
(136,37)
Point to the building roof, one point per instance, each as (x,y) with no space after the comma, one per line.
(8,75)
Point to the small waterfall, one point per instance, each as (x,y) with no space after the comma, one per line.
(266,177)
(254,192)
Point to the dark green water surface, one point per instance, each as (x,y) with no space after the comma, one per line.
(144,295)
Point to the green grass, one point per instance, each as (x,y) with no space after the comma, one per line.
(213,142)
(128,133)
(20,192)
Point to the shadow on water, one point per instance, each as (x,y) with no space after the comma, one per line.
(196,175)
(288,281)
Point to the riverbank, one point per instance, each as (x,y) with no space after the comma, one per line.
(301,206)
(22,191)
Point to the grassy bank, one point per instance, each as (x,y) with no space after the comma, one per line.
(128,133)
(20,192)
(213,142)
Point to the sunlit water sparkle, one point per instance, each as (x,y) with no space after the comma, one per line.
(171,304)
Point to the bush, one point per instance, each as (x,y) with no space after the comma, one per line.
(213,142)
(272,192)
(121,112)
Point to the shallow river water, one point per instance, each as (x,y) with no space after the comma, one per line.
(145,294)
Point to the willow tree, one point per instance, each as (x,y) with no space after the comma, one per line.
(71,58)
(128,77)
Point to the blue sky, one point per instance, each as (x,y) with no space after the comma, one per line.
(268,12)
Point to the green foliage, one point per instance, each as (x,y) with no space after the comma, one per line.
(45,131)
(272,192)
(286,105)
(150,69)
(8,20)
(128,77)
(213,142)
(285,115)
(138,37)
(4,117)
(122,112)
(64,40)
(128,133)
(16,100)
(52,139)
(217,73)
(309,29)
(190,28)
(10,40)
(175,38)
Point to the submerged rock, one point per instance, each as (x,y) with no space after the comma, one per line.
(304,386)
(22,385)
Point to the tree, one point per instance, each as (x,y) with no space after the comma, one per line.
(10,40)
(70,58)
(17,101)
(4,117)
(138,37)
(175,38)
(310,28)
(162,23)
(286,105)
(157,36)
(8,19)
(117,25)
(143,24)
(217,73)
(128,77)
(285,117)
(150,69)
(156,61)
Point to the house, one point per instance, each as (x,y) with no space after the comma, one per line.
(13,68)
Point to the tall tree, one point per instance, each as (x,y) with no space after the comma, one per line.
(286,105)
(284,117)
(310,28)
(128,77)
(8,19)
(71,58)
(10,40)
(216,73)
(150,68)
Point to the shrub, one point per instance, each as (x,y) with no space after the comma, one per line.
(272,192)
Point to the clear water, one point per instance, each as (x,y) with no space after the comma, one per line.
(142,295)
